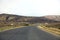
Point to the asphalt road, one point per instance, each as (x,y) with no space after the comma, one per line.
(27,33)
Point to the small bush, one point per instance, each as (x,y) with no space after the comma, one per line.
(26,24)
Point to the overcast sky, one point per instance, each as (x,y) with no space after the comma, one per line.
(30,7)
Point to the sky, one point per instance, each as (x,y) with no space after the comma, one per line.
(30,7)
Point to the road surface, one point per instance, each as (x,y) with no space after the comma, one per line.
(27,33)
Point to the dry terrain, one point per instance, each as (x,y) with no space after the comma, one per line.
(53,28)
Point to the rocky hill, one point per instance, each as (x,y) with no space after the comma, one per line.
(18,18)
(53,17)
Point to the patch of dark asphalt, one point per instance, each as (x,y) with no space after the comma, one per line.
(45,35)
(15,34)
(26,33)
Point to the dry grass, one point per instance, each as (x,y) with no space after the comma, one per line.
(9,28)
(51,29)
(4,27)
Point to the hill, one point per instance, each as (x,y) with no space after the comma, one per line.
(29,19)
(53,17)
(9,21)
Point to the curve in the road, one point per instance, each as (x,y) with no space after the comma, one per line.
(27,33)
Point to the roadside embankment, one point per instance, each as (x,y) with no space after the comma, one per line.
(51,30)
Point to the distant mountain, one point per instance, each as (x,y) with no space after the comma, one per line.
(53,17)
(17,18)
